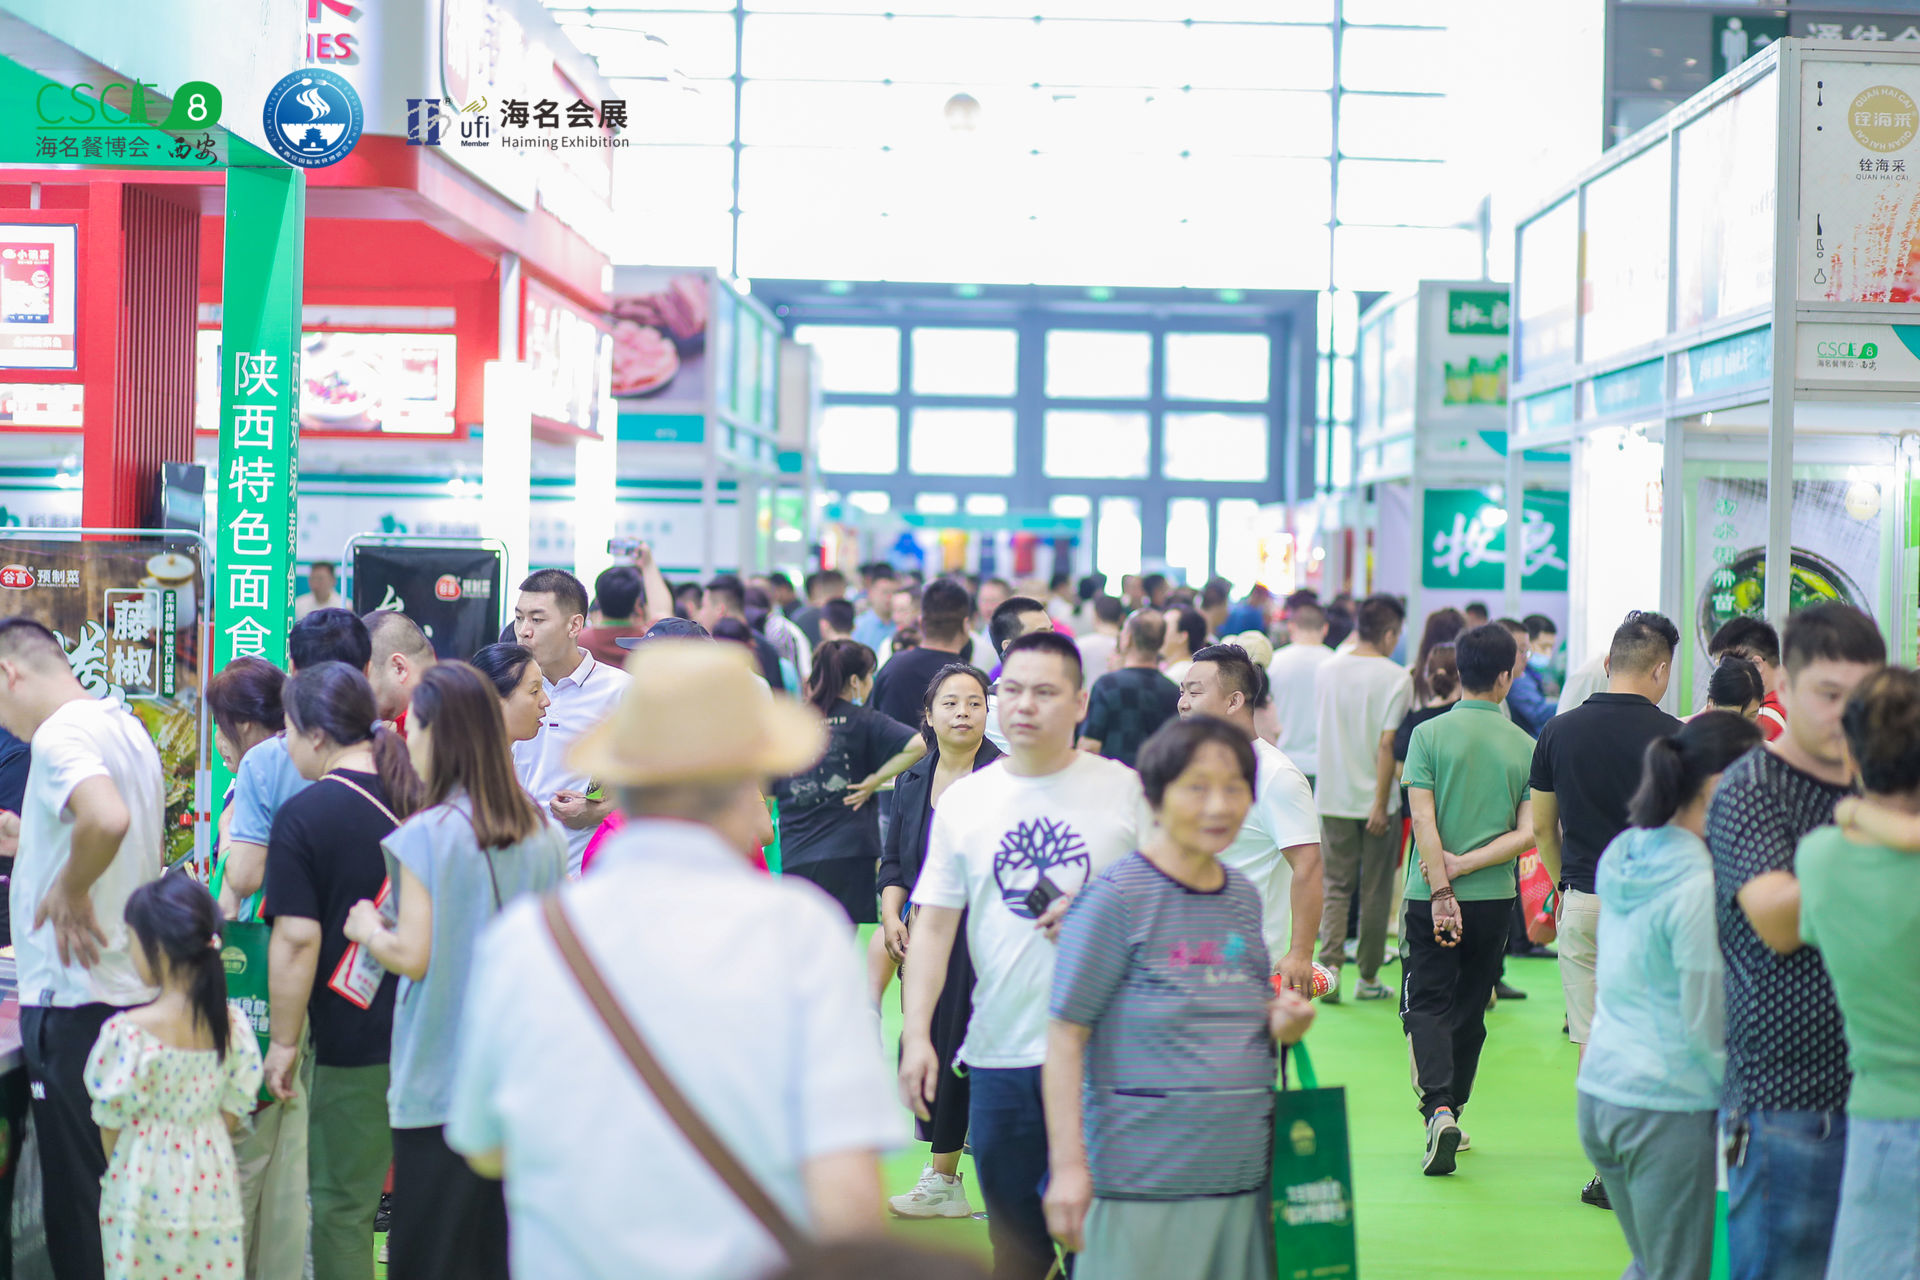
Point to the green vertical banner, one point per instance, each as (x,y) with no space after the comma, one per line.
(259,417)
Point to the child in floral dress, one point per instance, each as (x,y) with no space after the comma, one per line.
(169,1080)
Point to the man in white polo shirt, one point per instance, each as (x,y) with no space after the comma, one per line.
(1278,847)
(581,692)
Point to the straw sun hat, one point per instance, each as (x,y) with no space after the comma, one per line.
(695,712)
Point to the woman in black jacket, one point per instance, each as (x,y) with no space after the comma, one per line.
(954,722)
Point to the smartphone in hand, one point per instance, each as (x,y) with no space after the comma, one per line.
(1041,896)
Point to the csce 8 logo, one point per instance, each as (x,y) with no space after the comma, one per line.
(196,105)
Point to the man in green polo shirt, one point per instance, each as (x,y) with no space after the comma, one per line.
(1466,782)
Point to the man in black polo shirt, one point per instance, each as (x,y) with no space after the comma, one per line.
(900,690)
(1586,768)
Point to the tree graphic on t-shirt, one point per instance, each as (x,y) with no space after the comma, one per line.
(1036,848)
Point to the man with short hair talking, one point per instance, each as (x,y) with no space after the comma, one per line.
(1466,779)
(548,618)
(1011,845)
(1278,847)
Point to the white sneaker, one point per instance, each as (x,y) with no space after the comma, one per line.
(936,1196)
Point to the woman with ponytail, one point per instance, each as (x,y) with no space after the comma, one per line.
(1650,1078)
(828,832)
(479,843)
(170,1080)
(323,856)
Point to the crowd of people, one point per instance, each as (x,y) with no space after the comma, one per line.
(528,972)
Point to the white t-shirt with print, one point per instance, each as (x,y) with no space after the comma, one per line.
(994,833)
(1282,816)
(81,740)
(1358,699)
(1294,675)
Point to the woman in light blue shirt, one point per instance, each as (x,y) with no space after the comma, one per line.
(1650,1080)
(478,843)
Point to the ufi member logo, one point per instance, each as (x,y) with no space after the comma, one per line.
(313,118)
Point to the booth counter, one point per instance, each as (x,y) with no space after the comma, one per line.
(1718,317)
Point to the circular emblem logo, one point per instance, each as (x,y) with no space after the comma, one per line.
(1882,118)
(313,118)
(235,961)
(447,587)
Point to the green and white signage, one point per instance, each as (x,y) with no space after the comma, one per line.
(1463,541)
(1857,354)
(259,403)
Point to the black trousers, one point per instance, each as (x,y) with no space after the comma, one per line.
(56,1044)
(947,1131)
(1443,997)
(448,1221)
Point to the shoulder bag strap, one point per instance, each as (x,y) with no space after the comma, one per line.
(690,1122)
(366,795)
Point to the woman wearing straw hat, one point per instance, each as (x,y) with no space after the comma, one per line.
(746,988)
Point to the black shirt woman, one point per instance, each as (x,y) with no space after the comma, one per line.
(829,834)
(323,856)
(954,716)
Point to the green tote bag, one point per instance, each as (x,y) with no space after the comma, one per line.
(243,950)
(1312,1185)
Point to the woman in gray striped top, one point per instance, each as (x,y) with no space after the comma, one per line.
(1160,1055)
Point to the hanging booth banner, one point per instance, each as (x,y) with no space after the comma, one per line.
(453,592)
(1464,541)
(126,614)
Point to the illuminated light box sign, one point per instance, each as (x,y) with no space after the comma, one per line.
(37,307)
(396,383)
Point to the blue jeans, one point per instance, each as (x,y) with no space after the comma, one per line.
(1008,1130)
(1783,1191)
(1877,1236)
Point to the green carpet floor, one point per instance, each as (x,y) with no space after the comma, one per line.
(1512,1210)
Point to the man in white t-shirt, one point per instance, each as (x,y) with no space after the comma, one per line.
(89,835)
(1362,697)
(1011,845)
(1278,847)
(1295,677)
(581,692)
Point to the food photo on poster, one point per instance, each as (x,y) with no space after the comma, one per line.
(396,383)
(660,337)
(126,613)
